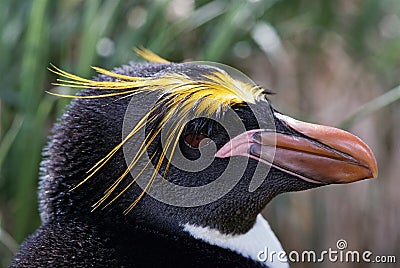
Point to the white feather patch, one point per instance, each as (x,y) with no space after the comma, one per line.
(257,244)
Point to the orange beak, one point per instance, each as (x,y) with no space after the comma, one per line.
(321,154)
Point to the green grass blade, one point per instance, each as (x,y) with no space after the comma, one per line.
(7,240)
(97,19)
(376,104)
(9,138)
(33,53)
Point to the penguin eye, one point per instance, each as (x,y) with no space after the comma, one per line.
(193,140)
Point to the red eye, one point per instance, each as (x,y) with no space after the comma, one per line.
(193,140)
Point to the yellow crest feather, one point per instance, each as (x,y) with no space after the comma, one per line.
(149,55)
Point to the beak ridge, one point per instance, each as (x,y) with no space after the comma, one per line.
(352,148)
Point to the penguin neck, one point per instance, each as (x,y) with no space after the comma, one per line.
(221,216)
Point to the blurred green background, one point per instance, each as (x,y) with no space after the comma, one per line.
(332,62)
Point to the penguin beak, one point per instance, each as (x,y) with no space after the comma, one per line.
(321,155)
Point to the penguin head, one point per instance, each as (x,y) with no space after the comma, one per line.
(205,149)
